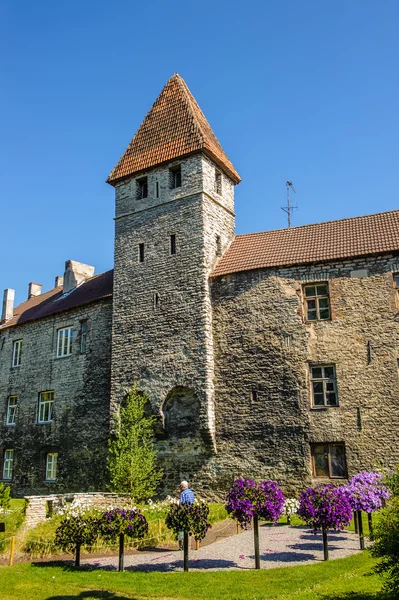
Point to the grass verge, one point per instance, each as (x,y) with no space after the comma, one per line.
(342,579)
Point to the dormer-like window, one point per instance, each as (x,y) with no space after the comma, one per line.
(175,177)
(218,182)
(142,188)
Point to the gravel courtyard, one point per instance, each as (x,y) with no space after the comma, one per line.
(279,546)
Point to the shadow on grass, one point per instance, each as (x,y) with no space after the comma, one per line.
(151,567)
(358,596)
(92,595)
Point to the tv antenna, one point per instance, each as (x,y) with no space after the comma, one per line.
(289,209)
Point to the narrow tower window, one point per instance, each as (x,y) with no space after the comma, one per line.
(156,300)
(175,177)
(218,246)
(141,252)
(157,189)
(142,188)
(218,182)
(254,396)
(173,243)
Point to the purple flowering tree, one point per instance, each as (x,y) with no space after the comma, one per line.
(325,507)
(249,501)
(121,522)
(367,493)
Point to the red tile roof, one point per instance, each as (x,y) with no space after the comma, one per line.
(174,127)
(52,302)
(320,242)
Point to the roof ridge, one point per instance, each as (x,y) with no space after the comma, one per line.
(386,212)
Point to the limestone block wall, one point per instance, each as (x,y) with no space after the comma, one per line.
(162,320)
(81,385)
(263,343)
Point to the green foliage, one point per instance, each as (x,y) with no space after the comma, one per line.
(386,546)
(78,530)
(127,521)
(5,496)
(132,457)
(191,518)
(392,481)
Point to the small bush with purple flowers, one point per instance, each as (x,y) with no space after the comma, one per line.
(325,507)
(247,499)
(367,491)
(191,518)
(128,521)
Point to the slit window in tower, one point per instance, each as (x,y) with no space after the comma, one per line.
(218,246)
(156,300)
(218,182)
(141,252)
(173,243)
(157,189)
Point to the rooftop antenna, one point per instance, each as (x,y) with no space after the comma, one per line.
(289,209)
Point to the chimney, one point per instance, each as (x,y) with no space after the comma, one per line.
(8,305)
(35,289)
(75,274)
(59,281)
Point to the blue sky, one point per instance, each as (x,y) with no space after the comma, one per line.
(307,91)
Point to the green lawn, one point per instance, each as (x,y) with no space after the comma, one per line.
(342,579)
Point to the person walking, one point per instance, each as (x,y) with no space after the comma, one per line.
(186,497)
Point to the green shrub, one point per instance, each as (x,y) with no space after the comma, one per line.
(386,546)
(5,496)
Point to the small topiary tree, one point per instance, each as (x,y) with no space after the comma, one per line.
(120,522)
(132,458)
(291,506)
(5,496)
(192,519)
(367,492)
(249,501)
(77,530)
(325,507)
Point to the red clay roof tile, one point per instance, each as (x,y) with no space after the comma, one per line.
(174,127)
(320,242)
(52,302)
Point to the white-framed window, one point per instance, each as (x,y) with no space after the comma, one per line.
(64,341)
(8,461)
(46,405)
(83,337)
(317,302)
(324,385)
(11,409)
(16,353)
(51,466)
(329,460)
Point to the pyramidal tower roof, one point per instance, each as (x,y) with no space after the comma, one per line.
(174,127)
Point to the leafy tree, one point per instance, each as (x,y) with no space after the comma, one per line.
(4,496)
(132,457)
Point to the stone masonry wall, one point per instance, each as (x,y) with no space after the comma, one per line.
(167,347)
(262,342)
(81,384)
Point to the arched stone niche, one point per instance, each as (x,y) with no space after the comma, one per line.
(180,413)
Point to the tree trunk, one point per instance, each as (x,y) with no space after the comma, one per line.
(360,525)
(256,542)
(325,543)
(77,555)
(185,550)
(121,552)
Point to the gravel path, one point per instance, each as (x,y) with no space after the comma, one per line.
(279,546)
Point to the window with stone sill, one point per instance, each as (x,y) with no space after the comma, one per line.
(141,188)
(175,177)
(16,353)
(317,302)
(329,460)
(64,342)
(11,410)
(51,466)
(8,461)
(323,386)
(46,405)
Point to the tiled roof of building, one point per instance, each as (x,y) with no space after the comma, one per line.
(174,127)
(320,242)
(52,302)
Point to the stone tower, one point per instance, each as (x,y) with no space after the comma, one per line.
(174,219)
